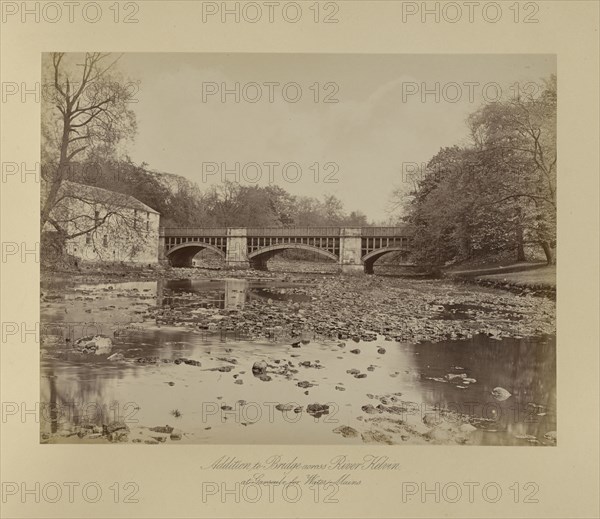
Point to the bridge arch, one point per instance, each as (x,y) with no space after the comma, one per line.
(369,259)
(258,258)
(182,255)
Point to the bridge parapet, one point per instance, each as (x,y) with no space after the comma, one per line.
(308,232)
(383,231)
(365,232)
(192,231)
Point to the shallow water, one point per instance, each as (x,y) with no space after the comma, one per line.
(190,397)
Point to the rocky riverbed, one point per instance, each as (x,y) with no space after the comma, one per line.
(360,308)
(328,359)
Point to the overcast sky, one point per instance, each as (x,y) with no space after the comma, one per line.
(379,123)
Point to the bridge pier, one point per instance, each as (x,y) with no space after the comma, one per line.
(353,269)
(350,250)
(161,247)
(237,248)
(162,257)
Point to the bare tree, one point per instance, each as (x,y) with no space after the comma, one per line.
(87,109)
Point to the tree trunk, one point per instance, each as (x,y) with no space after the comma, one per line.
(465,240)
(63,166)
(550,257)
(521,250)
(519,239)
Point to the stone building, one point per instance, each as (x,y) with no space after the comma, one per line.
(106,226)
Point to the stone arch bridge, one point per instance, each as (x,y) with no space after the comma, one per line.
(355,249)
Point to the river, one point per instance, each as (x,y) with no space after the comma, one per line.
(194,375)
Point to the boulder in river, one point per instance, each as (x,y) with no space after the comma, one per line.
(259,367)
(95,344)
(500,394)
(167,429)
(115,426)
(432,419)
(176,434)
(376,437)
(121,435)
(317,410)
(369,409)
(346,431)
(222,369)
(455,376)
(284,407)
(438,435)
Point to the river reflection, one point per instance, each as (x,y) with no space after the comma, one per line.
(192,397)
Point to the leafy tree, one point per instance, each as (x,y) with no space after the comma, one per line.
(517,140)
(496,195)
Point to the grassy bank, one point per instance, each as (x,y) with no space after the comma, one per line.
(535,278)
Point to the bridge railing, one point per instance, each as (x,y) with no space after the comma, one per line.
(308,232)
(384,231)
(366,232)
(193,231)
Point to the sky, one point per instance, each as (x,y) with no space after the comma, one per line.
(356,148)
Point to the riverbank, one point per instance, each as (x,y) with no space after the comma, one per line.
(525,278)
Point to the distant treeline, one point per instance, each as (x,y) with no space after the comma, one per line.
(182,202)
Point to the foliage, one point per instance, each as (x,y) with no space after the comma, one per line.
(496,195)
